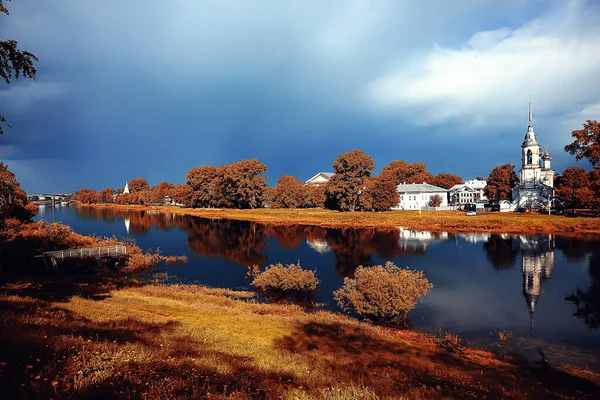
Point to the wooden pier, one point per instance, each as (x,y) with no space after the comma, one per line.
(90,252)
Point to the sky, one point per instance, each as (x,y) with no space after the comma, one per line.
(150,89)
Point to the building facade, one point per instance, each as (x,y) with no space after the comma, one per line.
(470,192)
(319,179)
(416,196)
(536,177)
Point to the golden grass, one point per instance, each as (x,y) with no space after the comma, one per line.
(191,342)
(449,221)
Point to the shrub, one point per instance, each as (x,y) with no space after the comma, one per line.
(287,279)
(382,293)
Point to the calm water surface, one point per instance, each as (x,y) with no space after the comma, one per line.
(545,289)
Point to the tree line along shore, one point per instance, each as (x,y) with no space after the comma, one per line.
(435,221)
(352,186)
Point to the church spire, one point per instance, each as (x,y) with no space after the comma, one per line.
(530,135)
(530,114)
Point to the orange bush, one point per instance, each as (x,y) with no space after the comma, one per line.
(382,293)
(288,278)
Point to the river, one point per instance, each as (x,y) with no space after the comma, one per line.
(542,289)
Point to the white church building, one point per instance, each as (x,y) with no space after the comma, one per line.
(536,185)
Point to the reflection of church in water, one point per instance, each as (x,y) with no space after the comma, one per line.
(537,261)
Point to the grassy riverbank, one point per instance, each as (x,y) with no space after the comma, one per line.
(107,339)
(449,221)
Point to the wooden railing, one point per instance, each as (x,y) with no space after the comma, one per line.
(90,252)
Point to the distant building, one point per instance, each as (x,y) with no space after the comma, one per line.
(536,185)
(319,179)
(415,196)
(126,189)
(469,192)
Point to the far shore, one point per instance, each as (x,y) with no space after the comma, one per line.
(435,221)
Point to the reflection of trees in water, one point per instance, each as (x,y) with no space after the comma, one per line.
(239,241)
(587,303)
(575,248)
(244,242)
(501,251)
(288,237)
(140,222)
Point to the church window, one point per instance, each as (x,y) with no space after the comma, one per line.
(529,157)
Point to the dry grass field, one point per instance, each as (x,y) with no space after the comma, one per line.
(73,338)
(449,221)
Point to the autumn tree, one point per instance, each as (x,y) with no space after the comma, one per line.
(13,200)
(244,183)
(289,193)
(345,186)
(314,196)
(203,180)
(14,63)
(157,194)
(379,194)
(400,171)
(87,196)
(446,181)
(138,184)
(500,183)
(586,143)
(435,201)
(106,196)
(182,194)
(574,187)
(594,177)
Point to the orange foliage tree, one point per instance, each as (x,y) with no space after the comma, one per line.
(344,188)
(574,186)
(379,194)
(500,182)
(289,193)
(202,180)
(400,171)
(446,181)
(106,196)
(138,184)
(314,196)
(87,196)
(244,183)
(436,201)
(13,200)
(586,143)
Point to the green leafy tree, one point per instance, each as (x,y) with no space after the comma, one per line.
(14,63)
(345,187)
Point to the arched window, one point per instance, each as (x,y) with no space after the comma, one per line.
(529,157)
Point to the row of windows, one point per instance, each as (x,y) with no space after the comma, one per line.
(414,197)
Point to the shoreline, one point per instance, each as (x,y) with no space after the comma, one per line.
(433,221)
(187,335)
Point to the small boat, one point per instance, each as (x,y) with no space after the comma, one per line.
(64,203)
